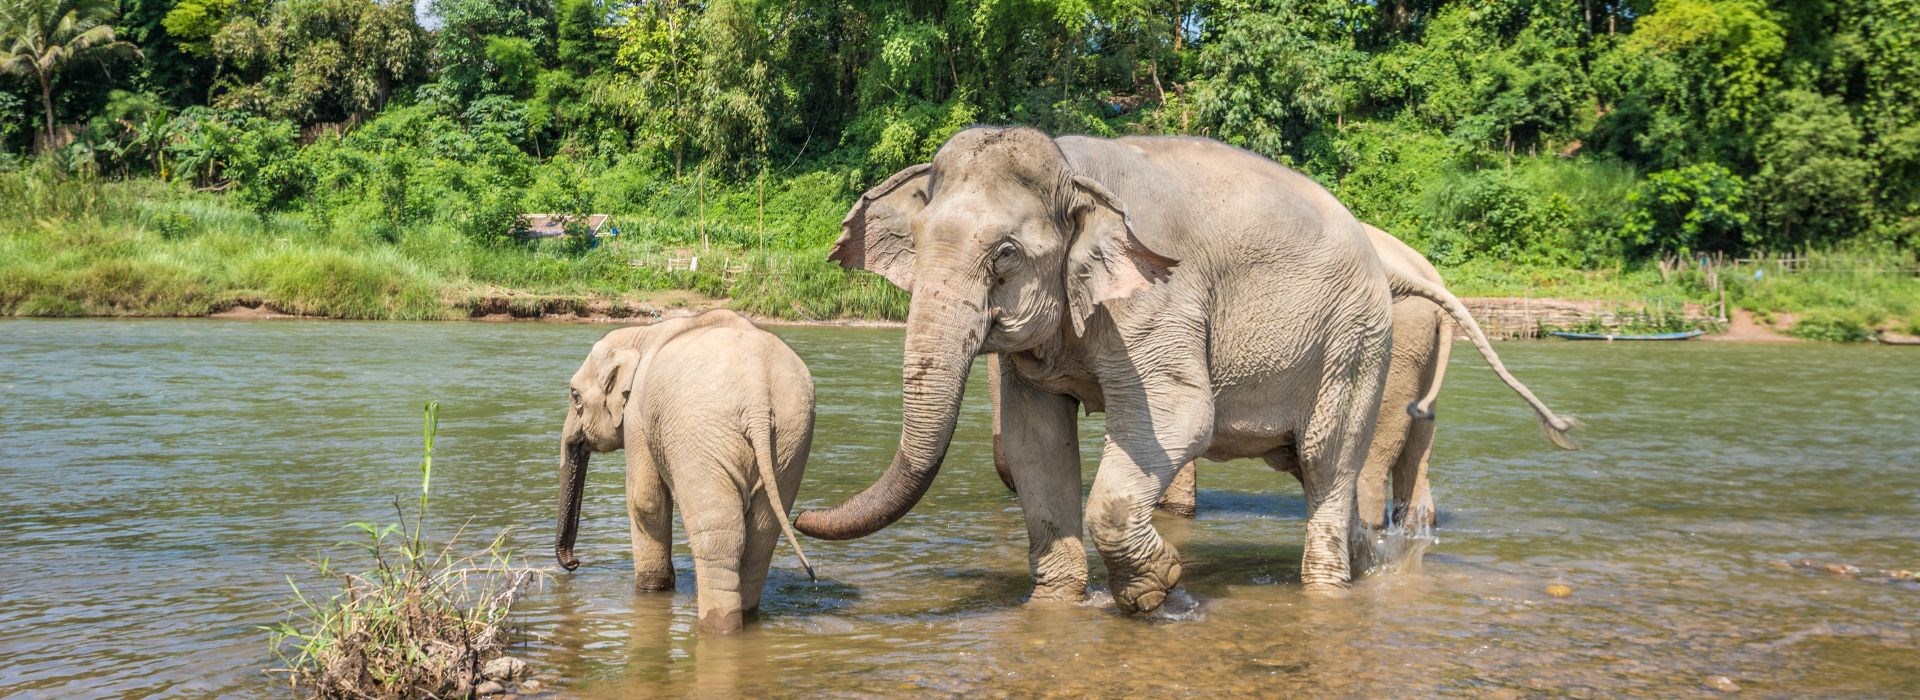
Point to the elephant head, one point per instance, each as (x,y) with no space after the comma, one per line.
(1003,247)
(597,403)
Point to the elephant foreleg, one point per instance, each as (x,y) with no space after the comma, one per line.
(649,519)
(1148,439)
(1036,444)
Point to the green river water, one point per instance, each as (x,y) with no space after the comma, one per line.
(162,479)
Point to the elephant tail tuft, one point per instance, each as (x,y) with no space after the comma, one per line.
(1557,428)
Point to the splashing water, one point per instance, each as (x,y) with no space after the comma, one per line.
(1399,547)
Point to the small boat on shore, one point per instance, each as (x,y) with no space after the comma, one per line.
(1678,335)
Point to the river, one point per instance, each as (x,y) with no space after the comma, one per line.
(164,478)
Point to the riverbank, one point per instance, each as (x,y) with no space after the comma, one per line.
(143,248)
(1497,315)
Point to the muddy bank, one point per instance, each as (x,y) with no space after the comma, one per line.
(1502,318)
(536,308)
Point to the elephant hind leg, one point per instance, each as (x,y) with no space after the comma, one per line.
(1412,496)
(1391,437)
(715,513)
(1181,498)
(1332,451)
(763,534)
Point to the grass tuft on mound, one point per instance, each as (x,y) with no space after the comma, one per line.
(420,622)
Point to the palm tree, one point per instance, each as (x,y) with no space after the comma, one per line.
(39,38)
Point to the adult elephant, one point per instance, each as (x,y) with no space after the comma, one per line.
(1403,433)
(1207,299)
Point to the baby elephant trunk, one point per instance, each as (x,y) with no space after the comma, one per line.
(574,454)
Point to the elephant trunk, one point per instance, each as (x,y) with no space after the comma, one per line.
(943,334)
(574,455)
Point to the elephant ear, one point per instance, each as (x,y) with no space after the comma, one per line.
(877,234)
(1106,262)
(615,373)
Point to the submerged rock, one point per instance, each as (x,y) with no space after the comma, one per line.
(1721,683)
(1559,590)
(490,688)
(503,669)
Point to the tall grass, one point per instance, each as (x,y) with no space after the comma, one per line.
(810,287)
(76,246)
(421,622)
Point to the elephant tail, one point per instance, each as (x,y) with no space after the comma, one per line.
(1556,427)
(760,433)
(1422,409)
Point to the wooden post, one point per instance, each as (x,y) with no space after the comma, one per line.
(1527,329)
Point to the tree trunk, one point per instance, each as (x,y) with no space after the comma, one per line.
(46,101)
(1179,13)
(1159,94)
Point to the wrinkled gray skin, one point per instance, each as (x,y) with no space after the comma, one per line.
(711,410)
(1207,299)
(1403,432)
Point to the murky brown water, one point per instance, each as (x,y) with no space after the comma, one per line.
(162,478)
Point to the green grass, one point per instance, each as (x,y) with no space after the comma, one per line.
(1844,295)
(79,247)
(144,248)
(420,621)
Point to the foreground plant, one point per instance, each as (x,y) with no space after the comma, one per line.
(421,622)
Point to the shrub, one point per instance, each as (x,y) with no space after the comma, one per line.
(420,622)
(1839,326)
(338,284)
(1700,207)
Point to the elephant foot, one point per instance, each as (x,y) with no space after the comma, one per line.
(1420,513)
(1069,592)
(722,621)
(652,582)
(1144,589)
(1331,591)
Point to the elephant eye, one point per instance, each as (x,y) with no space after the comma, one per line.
(575,395)
(1005,255)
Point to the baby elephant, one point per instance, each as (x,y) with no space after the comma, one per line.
(717,415)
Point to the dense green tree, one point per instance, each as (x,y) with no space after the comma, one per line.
(1529,131)
(468,45)
(40,38)
(1692,81)
(1698,207)
(1815,183)
(319,60)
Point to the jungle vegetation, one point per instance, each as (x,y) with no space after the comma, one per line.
(368,158)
